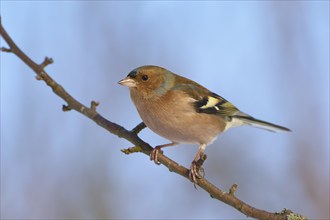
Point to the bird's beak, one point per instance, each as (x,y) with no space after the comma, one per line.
(129,82)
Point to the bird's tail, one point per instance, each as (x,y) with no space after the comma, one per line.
(260,124)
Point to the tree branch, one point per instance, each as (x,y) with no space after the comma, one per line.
(132,136)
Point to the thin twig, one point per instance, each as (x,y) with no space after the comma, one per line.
(138,128)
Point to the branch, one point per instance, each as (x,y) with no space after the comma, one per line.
(132,136)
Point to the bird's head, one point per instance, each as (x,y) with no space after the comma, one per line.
(148,80)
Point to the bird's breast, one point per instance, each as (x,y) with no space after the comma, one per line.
(174,118)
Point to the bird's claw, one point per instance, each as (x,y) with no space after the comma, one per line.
(154,155)
(196,172)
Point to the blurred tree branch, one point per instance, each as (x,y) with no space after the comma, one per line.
(132,136)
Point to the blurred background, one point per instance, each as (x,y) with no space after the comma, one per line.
(271,59)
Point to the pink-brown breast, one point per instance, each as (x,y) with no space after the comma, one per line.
(175,118)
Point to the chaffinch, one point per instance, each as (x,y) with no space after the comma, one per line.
(183,111)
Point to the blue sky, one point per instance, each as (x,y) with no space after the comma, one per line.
(270,59)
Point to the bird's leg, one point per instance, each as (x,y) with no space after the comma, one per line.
(154,153)
(196,170)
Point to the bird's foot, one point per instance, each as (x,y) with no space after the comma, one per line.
(196,172)
(154,154)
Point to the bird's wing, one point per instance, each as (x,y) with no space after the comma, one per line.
(215,104)
(211,103)
(208,102)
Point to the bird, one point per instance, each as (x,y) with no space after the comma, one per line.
(184,111)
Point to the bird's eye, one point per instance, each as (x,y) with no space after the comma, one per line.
(145,77)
